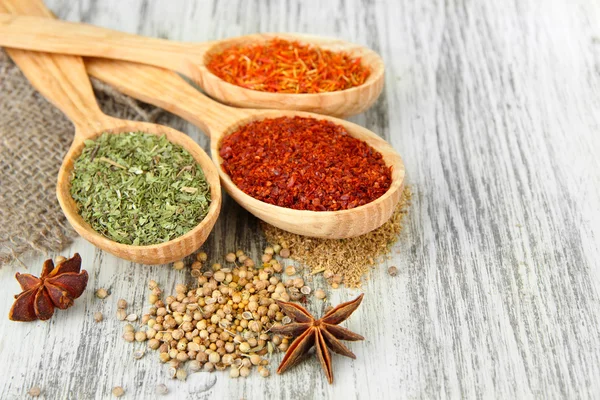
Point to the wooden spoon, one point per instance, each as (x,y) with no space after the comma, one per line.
(168,90)
(33,33)
(64,81)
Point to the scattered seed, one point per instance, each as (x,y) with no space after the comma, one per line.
(393,271)
(178,265)
(129,336)
(118,391)
(121,314)
(284,253)
(98,317)
(244,372)
(132,317)
(202,256)
(290,270)
(320,294)
(181,374)
(101,293)
(162,389)
(35,391)
(305,290)
(138,354)
(122,304)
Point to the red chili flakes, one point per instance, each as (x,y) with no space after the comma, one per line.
(304,164)
(283,66)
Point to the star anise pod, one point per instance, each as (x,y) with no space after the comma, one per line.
(56,287)
(324,334)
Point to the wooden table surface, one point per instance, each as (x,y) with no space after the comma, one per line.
(495,107)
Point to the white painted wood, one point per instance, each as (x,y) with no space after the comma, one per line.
(495,108)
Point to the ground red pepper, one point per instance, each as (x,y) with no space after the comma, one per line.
(304,164)
(284,66)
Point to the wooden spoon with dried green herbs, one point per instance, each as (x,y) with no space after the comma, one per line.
(176,180)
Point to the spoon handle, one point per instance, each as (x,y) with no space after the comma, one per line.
(62,80)
(54,36)
(166,89)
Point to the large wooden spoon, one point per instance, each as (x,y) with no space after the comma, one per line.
(64,82)
(32,33)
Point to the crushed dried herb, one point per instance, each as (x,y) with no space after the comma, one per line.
(304,164)
(139,189)
(284,66)
(343,260)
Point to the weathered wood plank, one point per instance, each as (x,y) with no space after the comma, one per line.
(495,109)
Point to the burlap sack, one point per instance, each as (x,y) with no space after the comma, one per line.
(34,137)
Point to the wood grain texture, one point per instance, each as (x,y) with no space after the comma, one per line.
(33,33)
(495,109)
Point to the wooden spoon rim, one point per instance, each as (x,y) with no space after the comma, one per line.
(391,158)
(200,156)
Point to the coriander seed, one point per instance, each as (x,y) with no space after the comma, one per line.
(234,372)
(98,317)
(162,389)
(101,293)
(284,253)
(178,265)
(34,391)
(202,256)
(132,317)
(118,391)
(393,271)
(290,270)
(122,304)
(320,294)
(121,314)
(129,336)
(244,372)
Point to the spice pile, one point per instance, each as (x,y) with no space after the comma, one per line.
(304,164)
(344,261)
(282,66)
(139,189)
(225,322)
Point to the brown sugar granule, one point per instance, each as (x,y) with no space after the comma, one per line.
(349,259)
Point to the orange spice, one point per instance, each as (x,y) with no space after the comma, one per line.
(282,66)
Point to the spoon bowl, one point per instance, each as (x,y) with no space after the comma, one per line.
(190,59)
(161,253)
(74,96)
(167,90)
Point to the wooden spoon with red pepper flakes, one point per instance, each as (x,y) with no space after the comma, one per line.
(324,334)
(57,287)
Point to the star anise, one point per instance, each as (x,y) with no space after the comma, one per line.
(56,287)
(324,334)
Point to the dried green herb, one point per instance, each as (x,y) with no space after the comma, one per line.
(139,189)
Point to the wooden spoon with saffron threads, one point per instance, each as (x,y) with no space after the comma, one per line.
(190,59)
(64,82)
(168,90)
